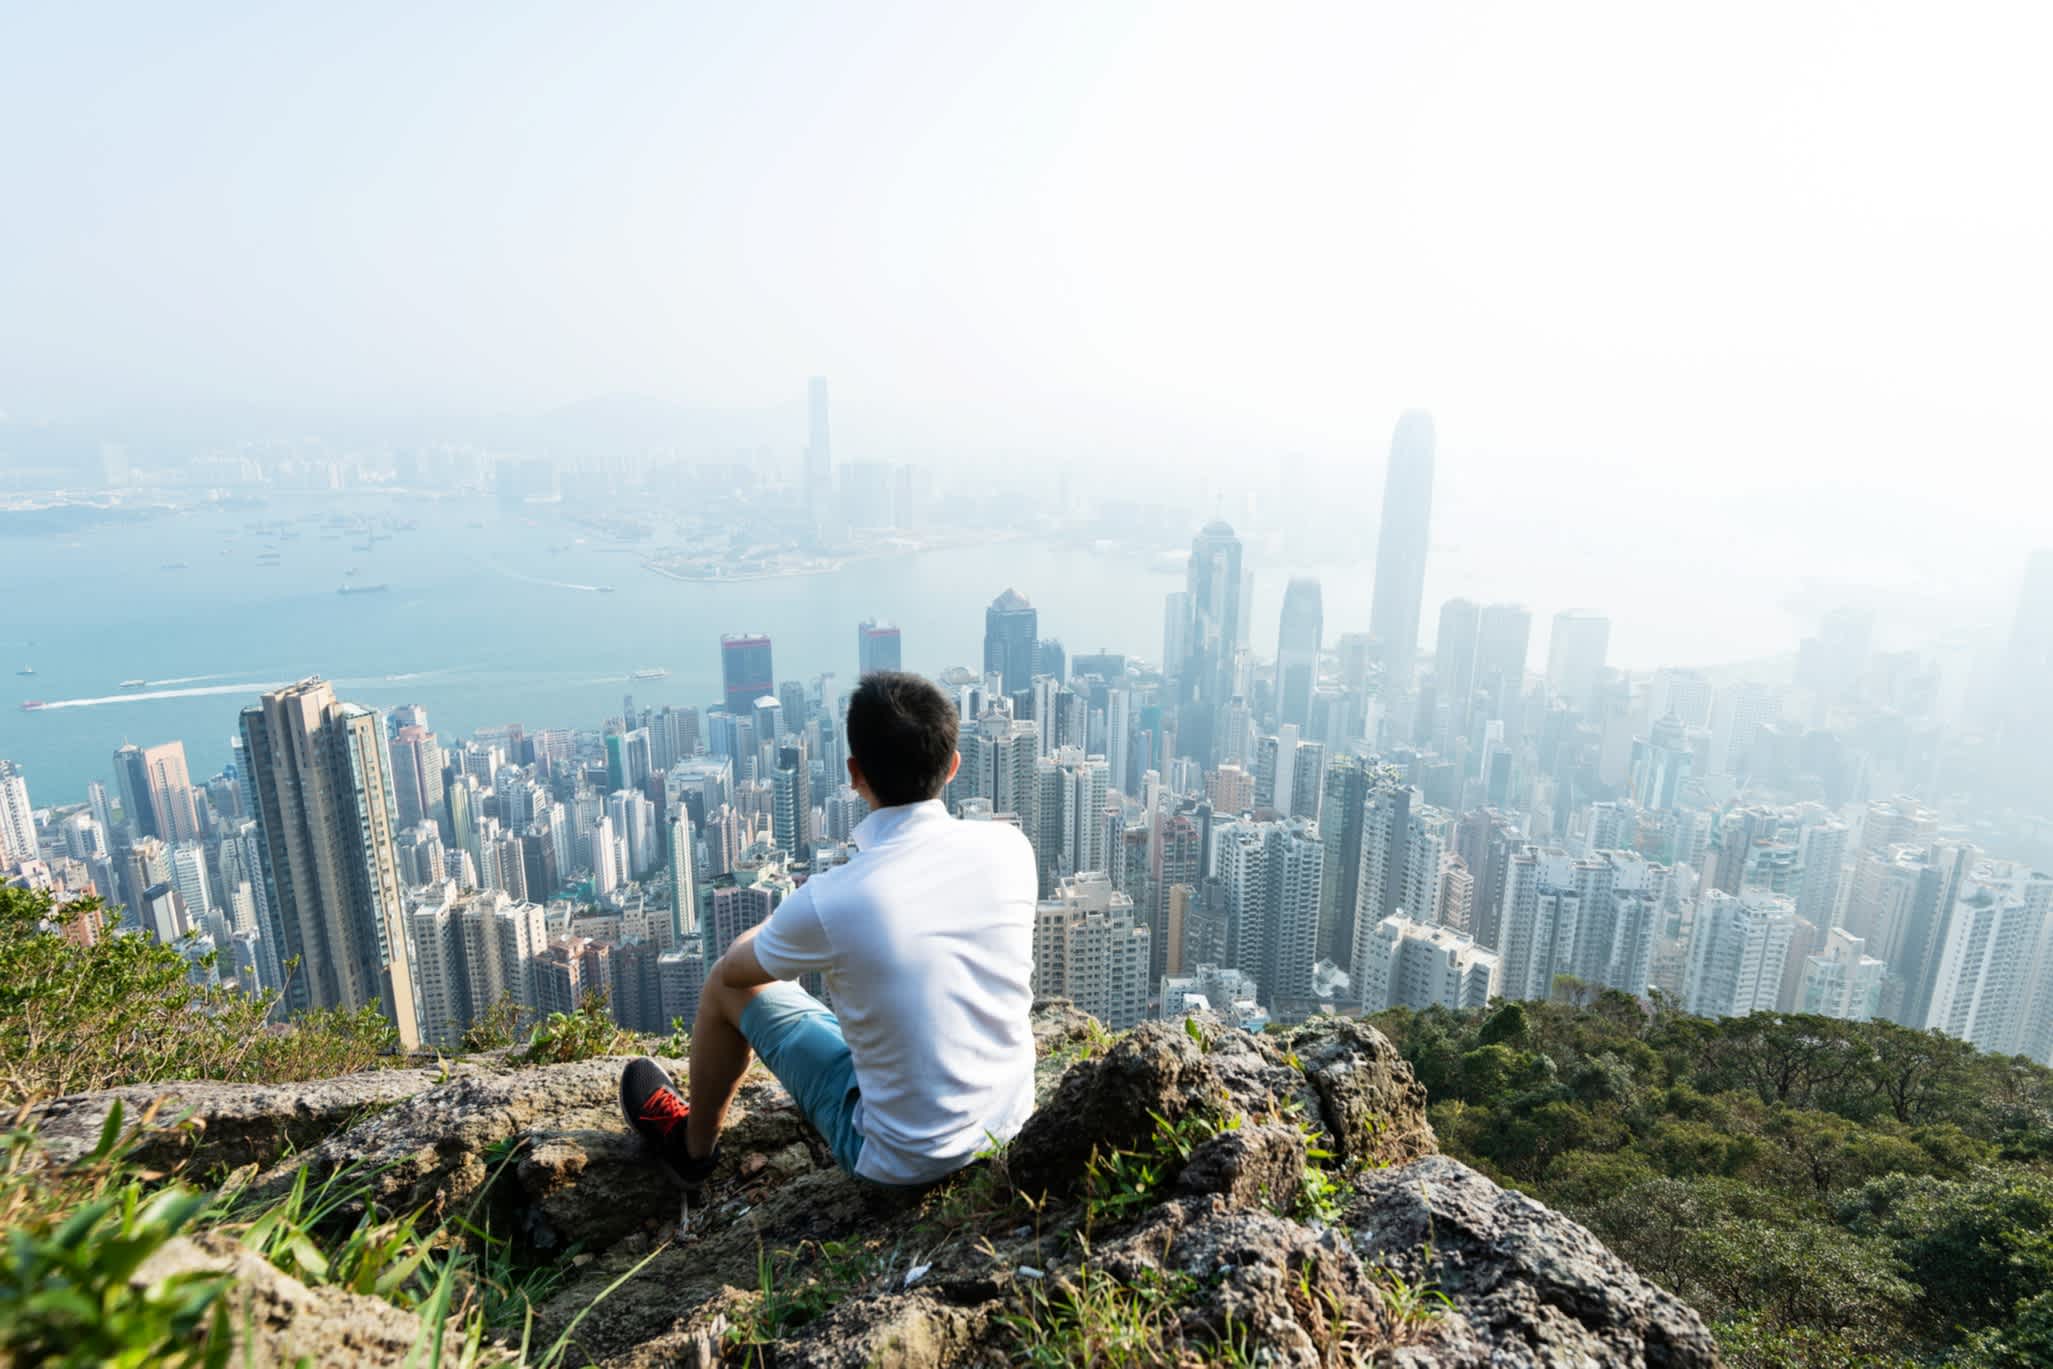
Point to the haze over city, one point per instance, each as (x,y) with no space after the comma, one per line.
(1523,526)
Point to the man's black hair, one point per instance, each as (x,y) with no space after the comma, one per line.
(901,731)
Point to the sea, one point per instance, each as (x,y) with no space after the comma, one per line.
(493,615)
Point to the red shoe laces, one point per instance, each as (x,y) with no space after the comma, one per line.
(663,1109)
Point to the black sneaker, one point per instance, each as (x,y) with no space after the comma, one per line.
(650,1101)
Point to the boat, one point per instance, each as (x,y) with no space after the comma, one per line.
(133,684)
(26,670)
(603,589)
(650,672)
(32,705)
(362,589)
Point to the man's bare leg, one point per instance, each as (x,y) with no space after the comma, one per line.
(719,1057)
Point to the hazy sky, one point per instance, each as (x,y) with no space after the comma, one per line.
(1631,255)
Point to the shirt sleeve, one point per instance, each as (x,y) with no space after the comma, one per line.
(794,940)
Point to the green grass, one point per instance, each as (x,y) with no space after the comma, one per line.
(76,1235)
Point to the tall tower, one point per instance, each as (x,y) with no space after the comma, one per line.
(1401,548)
(1454,660)
(745,671)
(876,647)
(1297,651)
(1011,639)
(17,819)
(156,791)
(321,785)
(1212,598)
(1576,648)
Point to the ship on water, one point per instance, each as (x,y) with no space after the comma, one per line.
(650,672)
(133,684)
(32,705)
(362,589)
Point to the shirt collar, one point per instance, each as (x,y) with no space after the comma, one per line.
(880,825)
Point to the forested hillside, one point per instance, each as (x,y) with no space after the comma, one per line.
(1827,1193)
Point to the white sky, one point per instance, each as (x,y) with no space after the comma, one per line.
(1642,260)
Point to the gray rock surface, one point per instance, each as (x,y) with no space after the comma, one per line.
(1529,1286)
(279,1320)
(206,1126)
(1209,1250)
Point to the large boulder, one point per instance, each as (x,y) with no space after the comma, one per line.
(1341,1079)
(1526,1286)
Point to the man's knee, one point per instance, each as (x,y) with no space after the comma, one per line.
(728,1001)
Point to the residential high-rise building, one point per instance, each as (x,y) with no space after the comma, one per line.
(17,819)
(472,949)
(1576,648)
(1011,640)
(791,810)
(1594,918)
(1738,947)
(156,791)
(1090,948)
(745,671)
(682,928)
(1822,853)
(1297,651)
(1272,874)
(416,774)
(1454,660)
(1401,545)
(1503,640)
(1409,964)
(1993,982)
(1842,980)
(1204,677)
(323,798)
(876,647)
(1661,763)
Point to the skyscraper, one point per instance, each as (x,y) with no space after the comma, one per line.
(876,647)
(156,792)
(1011,639)
(322,793)
(1576,647)
(1297,651)
(17,819)
(1401,545)
(745,671)
(1090,947)
(1503,639)
(1454,659)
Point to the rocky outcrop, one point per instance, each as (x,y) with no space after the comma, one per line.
(1212,1191)
(205,1126)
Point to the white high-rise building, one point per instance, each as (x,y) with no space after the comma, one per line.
(1229,993)
(1594,917)
(604,858)
(682,926)
(1994,981)
(472,948)
(1089,948)
(1576,647)
(1085,788)
(1271,875)
(189,876)
(1416,965)
(1737,951)
(17,819)
(1842,980)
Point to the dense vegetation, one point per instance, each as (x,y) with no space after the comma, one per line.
(1826,1193)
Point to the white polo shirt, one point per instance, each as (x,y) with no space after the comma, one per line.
(926,940)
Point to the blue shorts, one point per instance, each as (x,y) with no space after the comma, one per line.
(799,1041)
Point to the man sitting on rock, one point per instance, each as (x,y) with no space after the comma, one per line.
(925,940)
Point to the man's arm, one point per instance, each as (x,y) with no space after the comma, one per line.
(738,968)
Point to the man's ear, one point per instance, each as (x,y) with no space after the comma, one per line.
(855,773)
(954,764)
